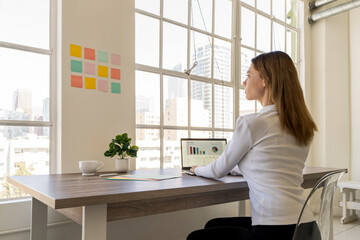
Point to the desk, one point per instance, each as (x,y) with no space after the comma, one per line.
(92,201)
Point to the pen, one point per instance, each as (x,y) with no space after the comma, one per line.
(107,174)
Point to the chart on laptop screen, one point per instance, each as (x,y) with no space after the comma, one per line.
(199,152)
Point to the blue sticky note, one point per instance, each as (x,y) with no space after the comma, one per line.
(103,57)
(115,88)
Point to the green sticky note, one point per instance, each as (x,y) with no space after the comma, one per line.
(115,87)
(76,66)
(103,56)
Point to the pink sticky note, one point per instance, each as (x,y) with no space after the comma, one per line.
(103,85)
(115,59)
(89,68)
(115,73)
(76,81)
(89,53)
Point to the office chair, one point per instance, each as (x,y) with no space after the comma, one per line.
(323,230)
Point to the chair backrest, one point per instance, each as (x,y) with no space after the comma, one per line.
(323,230)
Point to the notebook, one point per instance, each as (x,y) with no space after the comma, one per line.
(200,151)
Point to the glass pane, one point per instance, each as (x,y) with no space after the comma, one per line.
(223,18)
(172,152)
(202,15)
(263,5)
(246,56)
(152,6)
(258,106)
(201,104)
(291,44)
(24,95)
(227,135)
(222,60)
(246,106)
(263,33)
(291,12)
(176,10)
(247,27)
(147,102)
(175,101)
(201,134)
(174,47)
(278,9)
(203,54)
(23,151)
(148,141)
(278,43)
(223,107)
(25,22)
(147,52)
(250,2)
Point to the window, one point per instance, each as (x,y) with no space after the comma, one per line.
(27,74)
(198,36)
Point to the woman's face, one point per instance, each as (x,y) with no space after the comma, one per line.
(254,85)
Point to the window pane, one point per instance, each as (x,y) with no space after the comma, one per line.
(222,60)
(147,52)
(247,27)
(278,43)
(263,5)
(258,106)
(25,22)
(152,6)
(148,141)
(291,44)
(246,106)
(278,9)
(223,18)
(227,135)
(250,2)
(175,101)
(172,152)
(202,14)
(201,104)
(176,10)
(24,95)
(223,107)
(201,134)
(263,33)
(246,56)
(203,54)
(174,47)
(291,12)
(147,102)
(23,151)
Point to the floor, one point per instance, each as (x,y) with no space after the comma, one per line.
(349,231)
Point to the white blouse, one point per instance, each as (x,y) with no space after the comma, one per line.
(271,161)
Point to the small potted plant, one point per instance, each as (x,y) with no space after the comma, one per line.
(121,147)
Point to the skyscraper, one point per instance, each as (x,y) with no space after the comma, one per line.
(22,101)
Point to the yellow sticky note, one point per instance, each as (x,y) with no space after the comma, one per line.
(75,50)
(90,83)
(103,71)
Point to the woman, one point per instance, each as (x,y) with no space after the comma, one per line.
(269,149)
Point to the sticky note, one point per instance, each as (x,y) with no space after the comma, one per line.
(103,85)
(89,68)
(103,71)
(90,83)
(89,53)
(115,73)
(75,50)
(76,81)
(115,59)
(115,87)
(76,66)
(103,57)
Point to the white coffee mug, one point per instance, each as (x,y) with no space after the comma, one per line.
(90,167)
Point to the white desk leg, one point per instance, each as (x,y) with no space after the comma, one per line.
(242,208)
(94,219)
(38,221)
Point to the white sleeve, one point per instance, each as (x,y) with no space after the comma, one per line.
(235,150)
(236,171)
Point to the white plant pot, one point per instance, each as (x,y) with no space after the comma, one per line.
(122,165)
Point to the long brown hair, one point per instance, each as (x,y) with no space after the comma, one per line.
(280,75)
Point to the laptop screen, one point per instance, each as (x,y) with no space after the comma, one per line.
(200,151)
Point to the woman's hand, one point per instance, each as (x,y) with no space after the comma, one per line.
(192,169)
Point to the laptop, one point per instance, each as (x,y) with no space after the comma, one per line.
(200,152)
